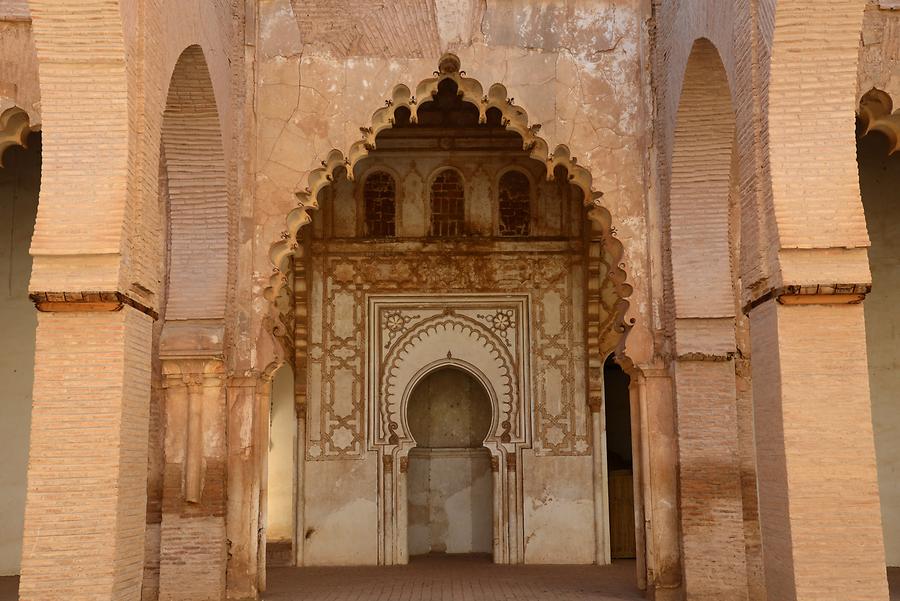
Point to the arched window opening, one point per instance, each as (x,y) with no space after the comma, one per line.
(514,198)
(448,205)
(450,479)
(380,197)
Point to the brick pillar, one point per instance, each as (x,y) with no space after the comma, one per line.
(193,546)
(87,475)
(712,522)
(818,489)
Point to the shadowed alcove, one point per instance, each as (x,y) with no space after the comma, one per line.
(879,178)
(20,176)
(450,482)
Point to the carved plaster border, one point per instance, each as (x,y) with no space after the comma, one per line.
(513,403)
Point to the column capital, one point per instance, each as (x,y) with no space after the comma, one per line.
(812,294)
(87,302)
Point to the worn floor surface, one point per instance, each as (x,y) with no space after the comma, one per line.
(9,588)
(463,578)
(450,580)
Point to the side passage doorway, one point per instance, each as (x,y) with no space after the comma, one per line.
(450,479)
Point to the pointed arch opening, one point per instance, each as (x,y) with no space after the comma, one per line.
(187,435)
(710,336)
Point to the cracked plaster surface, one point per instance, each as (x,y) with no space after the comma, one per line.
(575,67)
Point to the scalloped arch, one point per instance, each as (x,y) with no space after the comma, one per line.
(14,129)
(513,117)
(876,112)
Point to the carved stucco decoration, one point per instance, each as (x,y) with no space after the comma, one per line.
(432,343)
(614,287)
(466,332)
(14,127)
(876,113)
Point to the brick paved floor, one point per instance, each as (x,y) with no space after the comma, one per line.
(455,578)
(508,583)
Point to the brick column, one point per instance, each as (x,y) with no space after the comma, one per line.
(87,475)
(193,547)
(711,507)
(818,489)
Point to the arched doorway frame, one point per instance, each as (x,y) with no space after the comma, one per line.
(450,338)
(494,447)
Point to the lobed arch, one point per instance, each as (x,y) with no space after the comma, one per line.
(15,127)
(876,114)
(495,102)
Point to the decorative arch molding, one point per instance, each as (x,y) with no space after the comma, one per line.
(876,113)
(434,342)
(15,126)
(612,291)
(411,336)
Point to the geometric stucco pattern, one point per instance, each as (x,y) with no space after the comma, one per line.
(336,360)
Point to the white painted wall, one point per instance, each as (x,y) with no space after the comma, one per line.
(283,433)
(19,182)
(451,504)
(880,186)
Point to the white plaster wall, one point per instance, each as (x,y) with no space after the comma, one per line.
(450,501)
(880,187)
(559,509)
(18,206)
(283,434)
(341,512)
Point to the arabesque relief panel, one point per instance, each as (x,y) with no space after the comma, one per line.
(345,273)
